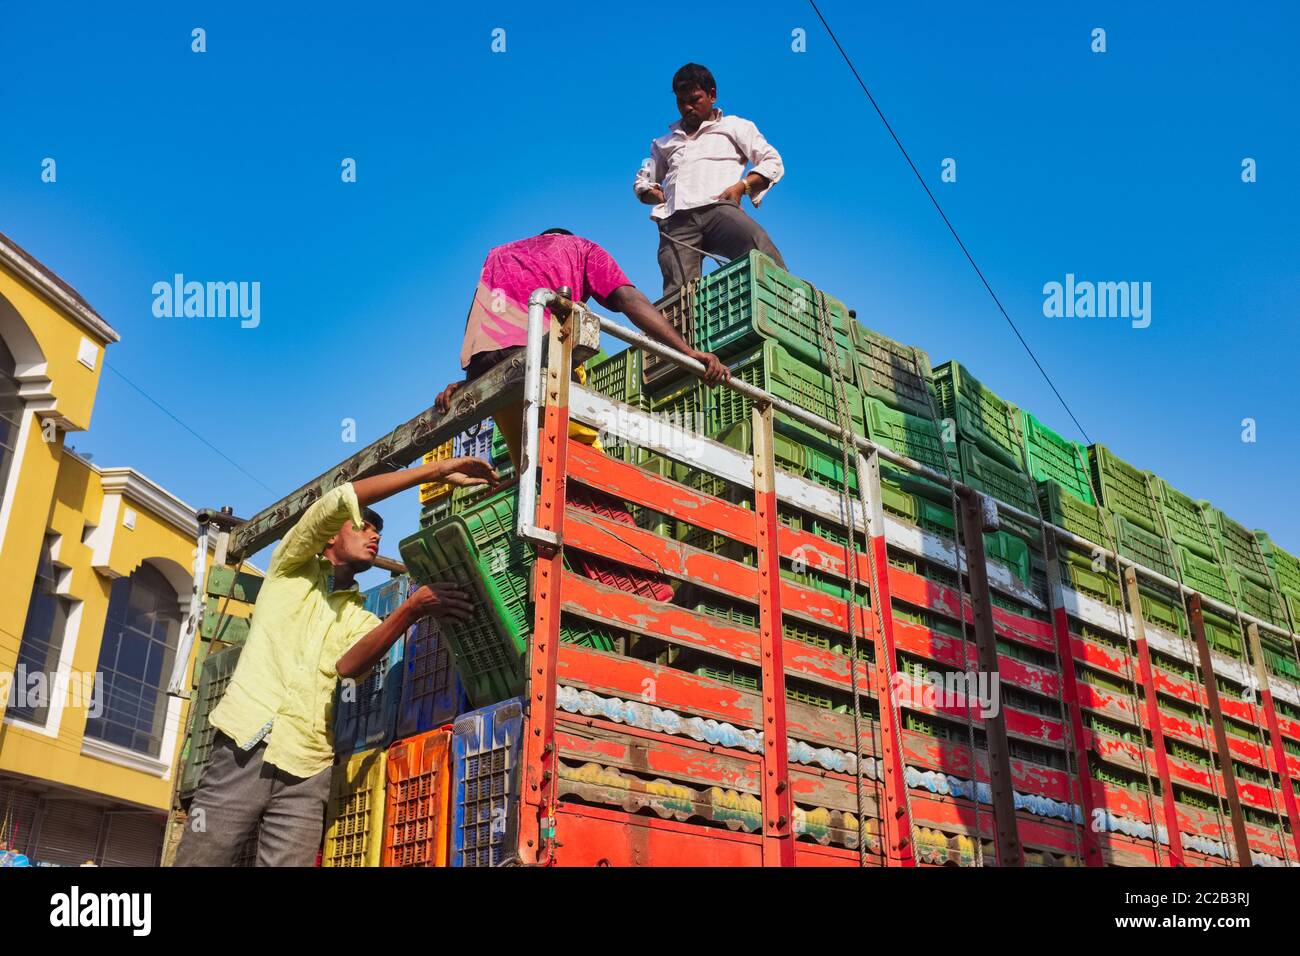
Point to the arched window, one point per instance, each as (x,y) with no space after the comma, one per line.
(140,637)
(11,413)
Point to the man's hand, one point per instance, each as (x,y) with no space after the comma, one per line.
(732,193)
(443,401)
(652,196)
(440,600)
(714,370)
(468,472)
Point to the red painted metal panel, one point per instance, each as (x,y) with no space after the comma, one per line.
(1175,845)
(921,641)
(596,836)
(933,596)
(1080,792)
(594,469)
(898,823)
(958,816)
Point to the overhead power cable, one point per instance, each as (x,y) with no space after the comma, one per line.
(947,222)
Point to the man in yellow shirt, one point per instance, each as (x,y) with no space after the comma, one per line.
(273,754)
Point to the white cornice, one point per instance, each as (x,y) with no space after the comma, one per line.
(155,499)
(42,279)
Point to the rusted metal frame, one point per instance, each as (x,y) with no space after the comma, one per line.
(399,448)
(896,813)
(1007,841)
(1275,737)
(1081,781)
(1196,623)
(778,807)
(1145,670)
(537,827)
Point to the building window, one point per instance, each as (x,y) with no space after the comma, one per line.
(11,414)
(38,654)
(140,638)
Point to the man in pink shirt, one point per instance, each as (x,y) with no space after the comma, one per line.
(695,178)
(498,317)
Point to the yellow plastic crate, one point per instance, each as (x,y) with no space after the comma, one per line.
(434,490)
(354,817)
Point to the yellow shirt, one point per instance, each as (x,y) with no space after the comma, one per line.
(300,628)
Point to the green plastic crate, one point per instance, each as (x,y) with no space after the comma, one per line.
(217,671)
(1279,657)
(806,695)
(752,298)
(1163,609)
(774,370)
(909,435)
(827,640)
(1122,487)
(490,525)
(488,650)
(1202,575)
(1066,511)
(1051,457)
(725,609)
(835,587)
(1239,549)
(1286,573)
(683,403)
(981,416)
(1138,544)
(587,634)
(728,675)
(1284,565)
(619,377)
(986,474)
(500,452)
(893,373)
(925,514)
(1254,598)
(1183,521)
(1223,635)
(1078,573)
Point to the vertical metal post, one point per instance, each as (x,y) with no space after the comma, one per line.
(896,814)
(1274,735)
(778,805)
(1147,673)
(1010,851)
(537,830)
(1196,619)
(1070,690)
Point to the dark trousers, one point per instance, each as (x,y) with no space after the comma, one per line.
(721,229)
(239,792)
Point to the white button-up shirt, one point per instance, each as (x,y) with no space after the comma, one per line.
(694,169)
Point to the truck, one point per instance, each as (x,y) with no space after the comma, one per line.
(845,609)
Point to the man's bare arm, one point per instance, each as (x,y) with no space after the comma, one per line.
(632,302)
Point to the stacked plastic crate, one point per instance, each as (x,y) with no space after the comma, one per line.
(364,723)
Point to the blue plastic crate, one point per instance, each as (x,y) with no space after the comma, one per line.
(432,694)
(365,714)
(486,753)
(385,598)
(475,441)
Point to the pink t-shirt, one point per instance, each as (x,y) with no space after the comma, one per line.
(498,317)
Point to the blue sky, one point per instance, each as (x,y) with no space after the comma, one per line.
(1122,166)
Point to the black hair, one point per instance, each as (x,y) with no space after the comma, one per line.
(557,232)
(693,76)
(372,516)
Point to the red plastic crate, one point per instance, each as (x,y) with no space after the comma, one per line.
(614,573)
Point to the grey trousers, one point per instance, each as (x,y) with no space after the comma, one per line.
(721,229)
(239,792)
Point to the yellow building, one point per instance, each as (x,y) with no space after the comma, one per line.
(96,579)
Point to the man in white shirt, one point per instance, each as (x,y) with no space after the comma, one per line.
(695,177)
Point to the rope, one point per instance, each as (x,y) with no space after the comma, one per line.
(837,383)
(1220,549)
(1066,723)
(1202,723)
(959,541)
